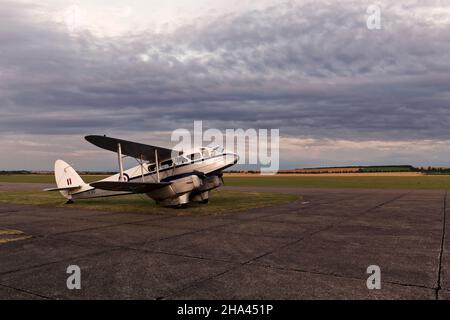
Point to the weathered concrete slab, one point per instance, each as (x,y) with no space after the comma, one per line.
(25,254)
(211,244)
(252,282)
(119,217)
(265,228)
(348,258)
(53,227)
(118,274)
(14,294)
(318,247)
(188,222)
(122,235)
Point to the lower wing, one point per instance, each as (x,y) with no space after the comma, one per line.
(135,187)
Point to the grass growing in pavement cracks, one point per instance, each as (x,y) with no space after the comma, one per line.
(222,201)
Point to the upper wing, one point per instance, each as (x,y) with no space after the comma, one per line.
(133,149)
(135,187)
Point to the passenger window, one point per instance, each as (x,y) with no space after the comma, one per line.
(166,164)
(181,160)
(205,153)
(197,156)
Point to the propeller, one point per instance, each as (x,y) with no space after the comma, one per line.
(220,175)
(200,174)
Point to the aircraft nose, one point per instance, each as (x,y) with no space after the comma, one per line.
(231,158)
(236,158)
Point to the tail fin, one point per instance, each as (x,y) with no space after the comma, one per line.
(67,179)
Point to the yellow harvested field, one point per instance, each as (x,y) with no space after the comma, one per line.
(362,174)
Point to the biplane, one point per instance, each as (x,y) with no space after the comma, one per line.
(170,177)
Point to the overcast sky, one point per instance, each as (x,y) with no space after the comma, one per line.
(340,94)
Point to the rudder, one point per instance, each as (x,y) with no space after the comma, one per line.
(67,177)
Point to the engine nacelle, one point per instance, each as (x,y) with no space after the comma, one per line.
(209,183)
(176,189)
(201,194)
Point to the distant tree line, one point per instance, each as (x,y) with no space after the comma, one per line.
(15,172)
(435,170)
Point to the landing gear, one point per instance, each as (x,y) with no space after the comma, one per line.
(70,201)
(202,198)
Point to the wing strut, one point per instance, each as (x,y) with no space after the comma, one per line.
(119,156)
(142,168)
(157,165)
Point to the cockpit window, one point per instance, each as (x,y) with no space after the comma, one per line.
(205,153)
(181,160)
(216,150)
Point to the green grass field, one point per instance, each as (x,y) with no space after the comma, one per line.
(220,201)
(381,182)
(40,178)
(361,182)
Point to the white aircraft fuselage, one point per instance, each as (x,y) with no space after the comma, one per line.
(186,178)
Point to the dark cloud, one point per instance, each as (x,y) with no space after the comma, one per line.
(309,69)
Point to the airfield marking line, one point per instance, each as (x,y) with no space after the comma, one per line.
(439,278)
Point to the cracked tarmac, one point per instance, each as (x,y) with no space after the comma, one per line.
(315,248)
